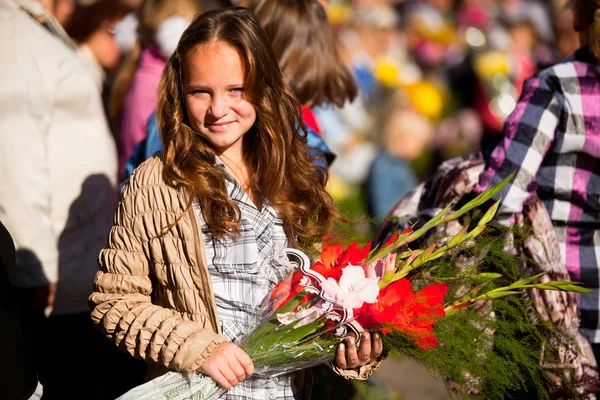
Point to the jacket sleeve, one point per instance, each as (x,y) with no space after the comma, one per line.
(528,134)
(26,104)
(123,310)
(361,373)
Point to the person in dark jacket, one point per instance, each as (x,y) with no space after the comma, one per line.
(18,377)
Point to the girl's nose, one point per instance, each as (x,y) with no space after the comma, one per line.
(219,107)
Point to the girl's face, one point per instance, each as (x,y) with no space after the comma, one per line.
(214,95)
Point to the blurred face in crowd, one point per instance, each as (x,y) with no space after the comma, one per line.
(407,133)
(523,36)
(217,108)
(104,46)
(567,39)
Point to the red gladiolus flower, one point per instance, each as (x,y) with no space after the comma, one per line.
(396,235)
(286,290)
(334,259)
(412,314)
(392,239)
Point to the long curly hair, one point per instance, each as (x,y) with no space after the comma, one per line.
(275,148)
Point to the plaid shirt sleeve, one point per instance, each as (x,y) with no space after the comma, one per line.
(528,133)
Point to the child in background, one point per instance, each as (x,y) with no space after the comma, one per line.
(406,134)
(307,51)
(91,26)
(133,97)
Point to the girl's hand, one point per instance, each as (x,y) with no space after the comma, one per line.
(228,365)
(370,350)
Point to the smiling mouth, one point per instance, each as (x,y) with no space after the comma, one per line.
(220,124)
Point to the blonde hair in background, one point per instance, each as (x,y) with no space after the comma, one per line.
(150,15)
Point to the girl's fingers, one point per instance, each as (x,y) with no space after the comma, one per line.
(229,375)
(237,369)
(376,346)
(245,362)
(351,354)
(220,379)
(340,358)
(364,351)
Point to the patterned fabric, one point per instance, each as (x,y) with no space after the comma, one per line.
(552,140)
(242,275)
(453,182)
(580,253)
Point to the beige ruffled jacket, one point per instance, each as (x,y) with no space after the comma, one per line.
(153,295)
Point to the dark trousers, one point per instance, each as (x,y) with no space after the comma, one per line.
(75,361)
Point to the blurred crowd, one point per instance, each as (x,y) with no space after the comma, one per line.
(436,79)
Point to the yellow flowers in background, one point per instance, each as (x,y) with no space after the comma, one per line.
(491,63)
(427,98)
(387,71)
(339,13)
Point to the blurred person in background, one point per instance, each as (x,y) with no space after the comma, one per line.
(160,24)
(552,140)
(405,134)
(567,38)
(58,171)
(18,374)
(368,37)
(92,28)
(308,55)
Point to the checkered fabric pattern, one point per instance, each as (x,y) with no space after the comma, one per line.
(242,275)
(552,140)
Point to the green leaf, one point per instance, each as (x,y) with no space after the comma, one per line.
(489,214)
(494,295)
(526,281)
(475,232)
(565,286)
(457,238)
(481,198)
(488,275)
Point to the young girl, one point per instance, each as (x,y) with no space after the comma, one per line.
(189,257)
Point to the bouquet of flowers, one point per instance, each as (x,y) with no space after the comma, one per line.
(422,307)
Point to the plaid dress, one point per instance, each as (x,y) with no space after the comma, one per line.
(552,140)
(242,275)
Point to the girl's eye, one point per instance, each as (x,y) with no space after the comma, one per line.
(238,90)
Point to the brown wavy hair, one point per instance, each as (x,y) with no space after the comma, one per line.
(275,148)
(306,47)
